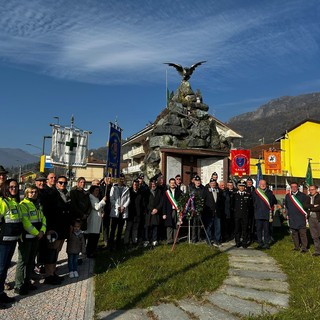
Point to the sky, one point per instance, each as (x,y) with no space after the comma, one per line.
(103,60)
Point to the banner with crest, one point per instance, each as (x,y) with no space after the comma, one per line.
(240,162)
(114,150)
(272,161)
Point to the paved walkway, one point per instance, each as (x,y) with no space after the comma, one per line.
(72,300)
(255,285)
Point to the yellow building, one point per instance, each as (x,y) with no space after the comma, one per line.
(297,145)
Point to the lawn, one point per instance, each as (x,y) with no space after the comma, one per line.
(139,278)
(303,271)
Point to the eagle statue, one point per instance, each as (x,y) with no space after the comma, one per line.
(185,72)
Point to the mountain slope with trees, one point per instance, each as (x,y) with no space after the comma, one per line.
(272,119)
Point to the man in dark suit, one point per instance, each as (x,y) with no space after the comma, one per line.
(313,206)
(152,216)
(263,202)
(197,190)
(212,197)
(242,202)
(170,210)
(294,202)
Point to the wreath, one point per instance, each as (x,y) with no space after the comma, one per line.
(190,204)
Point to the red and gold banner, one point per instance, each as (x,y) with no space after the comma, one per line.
(240,162)
(272,161)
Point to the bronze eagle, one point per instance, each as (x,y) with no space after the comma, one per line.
(185,72)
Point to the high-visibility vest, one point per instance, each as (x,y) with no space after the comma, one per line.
(11,220)
(33,219)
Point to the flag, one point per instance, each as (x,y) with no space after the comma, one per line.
(309,180)
(259,173)
(240,162)
(69,146)
(114,151)
(272,161)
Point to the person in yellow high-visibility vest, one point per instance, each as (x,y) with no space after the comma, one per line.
(34,224)
(10,231)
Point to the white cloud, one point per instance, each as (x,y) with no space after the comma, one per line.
(123,41)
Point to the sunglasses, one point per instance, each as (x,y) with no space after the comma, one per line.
(13,187)
(62,182)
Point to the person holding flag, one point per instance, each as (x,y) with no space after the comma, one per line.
(171,211)
(294,201)
(263,202)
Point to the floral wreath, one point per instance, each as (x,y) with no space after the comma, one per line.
(189,205)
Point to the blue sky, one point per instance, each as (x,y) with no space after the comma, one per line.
(103,60)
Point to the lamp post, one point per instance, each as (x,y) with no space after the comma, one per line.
(44,143)
(58,119)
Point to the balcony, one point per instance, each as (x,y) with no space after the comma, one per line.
(132,169)
(135,152)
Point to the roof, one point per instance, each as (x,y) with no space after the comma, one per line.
(256,152)
(298,125)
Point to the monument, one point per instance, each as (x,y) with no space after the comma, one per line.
(185,139)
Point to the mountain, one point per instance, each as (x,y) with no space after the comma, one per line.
(269,121)
(16,157)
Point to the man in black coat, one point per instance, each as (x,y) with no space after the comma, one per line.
(170,210)
(263,202)
(251,221)
(227,198)
(153,212)
(242,202)
(196,189)
(312,204)
(211,215)
(294,202)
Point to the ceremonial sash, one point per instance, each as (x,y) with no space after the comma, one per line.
(297,204)
(172,200)
(263,197)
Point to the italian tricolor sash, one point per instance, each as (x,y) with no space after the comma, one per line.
(297,204)
(263,197)
(172,200)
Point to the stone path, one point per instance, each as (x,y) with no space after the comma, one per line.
(72,300)
(255,285)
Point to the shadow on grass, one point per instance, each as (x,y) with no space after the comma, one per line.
(161,281)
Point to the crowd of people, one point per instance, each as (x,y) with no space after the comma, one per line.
(50,213)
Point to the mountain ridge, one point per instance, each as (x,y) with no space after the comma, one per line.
(269,121)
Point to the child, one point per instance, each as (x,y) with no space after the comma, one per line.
(76,244)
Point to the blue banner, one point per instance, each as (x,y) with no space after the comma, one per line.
(259,174)
(114,151)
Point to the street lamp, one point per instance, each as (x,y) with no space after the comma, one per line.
(32,145)
(44,142)
(58,119)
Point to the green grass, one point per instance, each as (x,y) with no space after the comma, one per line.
(140,278)
(303,271)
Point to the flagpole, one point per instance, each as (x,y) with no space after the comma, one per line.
(107,159)
(167,88)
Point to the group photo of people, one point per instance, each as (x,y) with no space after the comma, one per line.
(112,214)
